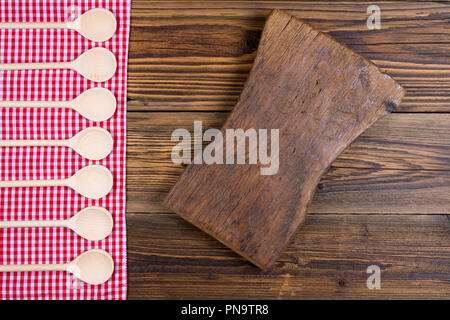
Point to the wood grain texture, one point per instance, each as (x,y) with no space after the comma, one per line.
(170,259)
(320,96)
(400,162)
(197,55)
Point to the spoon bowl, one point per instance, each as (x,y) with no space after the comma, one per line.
(97,64)
(95,104)
(93,267)
(93,182)
(96,24)
(92,143)
(92,223)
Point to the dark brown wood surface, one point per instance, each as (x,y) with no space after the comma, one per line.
(321,96)
(385,200)
(328,258)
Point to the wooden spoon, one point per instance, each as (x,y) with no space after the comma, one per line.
(96,25)
(92,143)
(95,104)
(92,223)
(93,182)
(97,64)
(93,267)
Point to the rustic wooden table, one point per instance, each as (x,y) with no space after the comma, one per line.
(385,201)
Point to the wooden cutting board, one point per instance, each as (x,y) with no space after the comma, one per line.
(320,95)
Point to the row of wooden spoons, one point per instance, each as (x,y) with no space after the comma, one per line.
(92,223)
(94,143)
(97,64)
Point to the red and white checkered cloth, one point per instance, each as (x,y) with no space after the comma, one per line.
(56,245)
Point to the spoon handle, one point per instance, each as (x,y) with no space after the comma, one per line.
(32,183)
(36,65)
(33,143)
(32,224)
(33,25)
(35,104)
(33,267)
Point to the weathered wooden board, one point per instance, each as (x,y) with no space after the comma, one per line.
(393,154)
(320,96)
(328,258)
(197,55)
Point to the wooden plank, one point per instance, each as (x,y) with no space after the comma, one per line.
(402,141)
(393,154)
(328,258)
(200,53)
(319,96)
(367,191)
(150,171)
